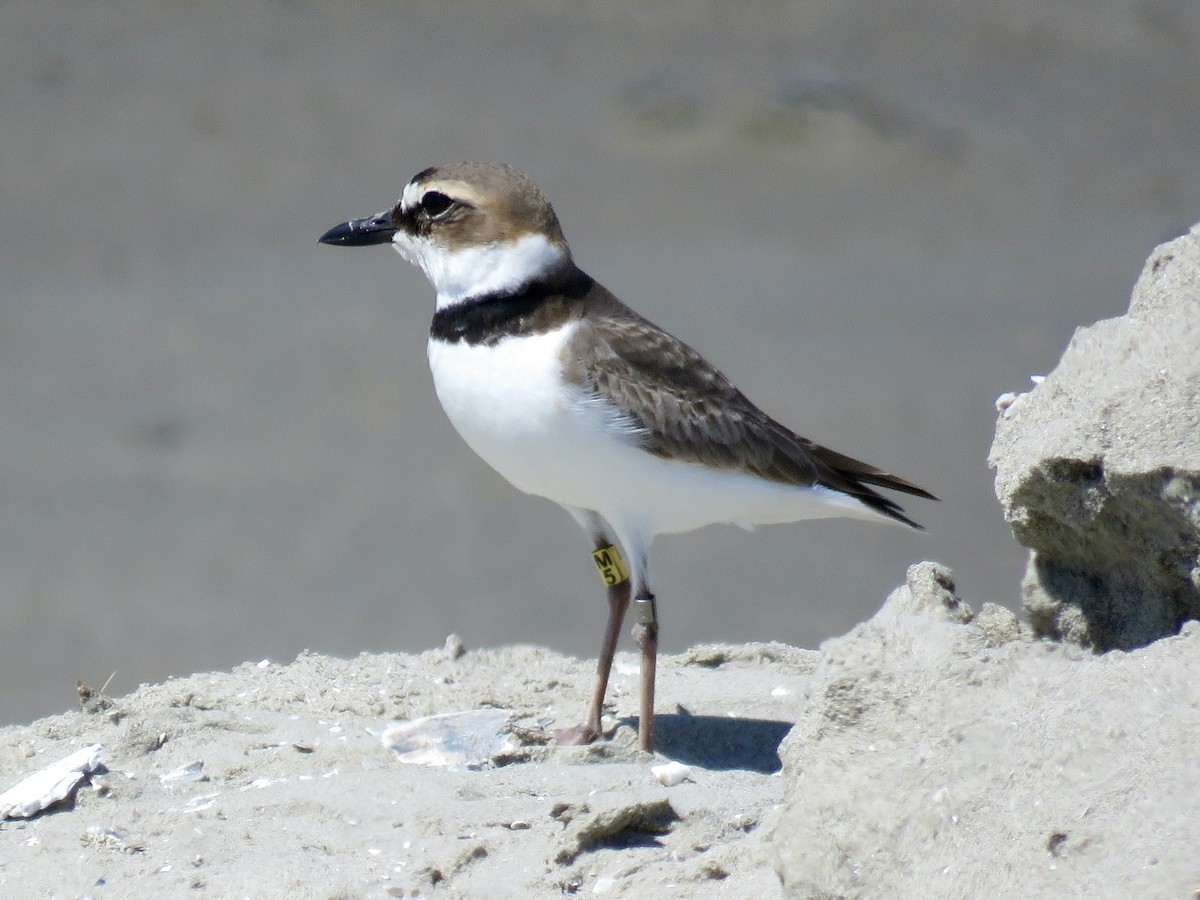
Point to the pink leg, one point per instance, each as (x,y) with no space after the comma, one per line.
(589,731)
(645,632)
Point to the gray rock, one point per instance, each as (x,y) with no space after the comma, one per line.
(1098,468)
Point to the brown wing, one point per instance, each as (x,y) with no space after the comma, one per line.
(688,410)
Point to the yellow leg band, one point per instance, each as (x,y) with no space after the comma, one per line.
(611,566)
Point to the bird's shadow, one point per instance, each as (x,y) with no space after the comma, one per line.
(721,743)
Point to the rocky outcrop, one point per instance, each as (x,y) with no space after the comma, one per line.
(945,755)
(1098,468)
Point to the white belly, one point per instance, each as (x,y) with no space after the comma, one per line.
(511,406)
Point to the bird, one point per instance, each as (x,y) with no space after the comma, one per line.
(573,396)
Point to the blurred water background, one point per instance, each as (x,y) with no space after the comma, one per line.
(219,440)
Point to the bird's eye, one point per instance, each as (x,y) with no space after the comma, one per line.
(435,204)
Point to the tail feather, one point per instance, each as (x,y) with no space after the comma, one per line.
(846,474)
(857,478)
(889,508)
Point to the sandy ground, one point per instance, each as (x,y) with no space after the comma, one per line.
(931,752)
(299,798)
(218,440)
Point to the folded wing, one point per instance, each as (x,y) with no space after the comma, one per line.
(686,409)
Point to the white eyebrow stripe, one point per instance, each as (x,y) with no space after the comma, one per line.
(411,197)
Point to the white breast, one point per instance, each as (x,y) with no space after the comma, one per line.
(510,404)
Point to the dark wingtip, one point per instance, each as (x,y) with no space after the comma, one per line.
(895,483)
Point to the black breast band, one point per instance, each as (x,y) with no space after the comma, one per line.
(488,318)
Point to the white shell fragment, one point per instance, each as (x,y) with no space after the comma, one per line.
(48,786)
(1006,400)
(671,773)
(471,738)
(193,771)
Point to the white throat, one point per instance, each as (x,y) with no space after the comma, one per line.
(457,275)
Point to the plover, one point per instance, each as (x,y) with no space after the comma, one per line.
(572,396)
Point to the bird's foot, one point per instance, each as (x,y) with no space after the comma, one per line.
(577,736)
